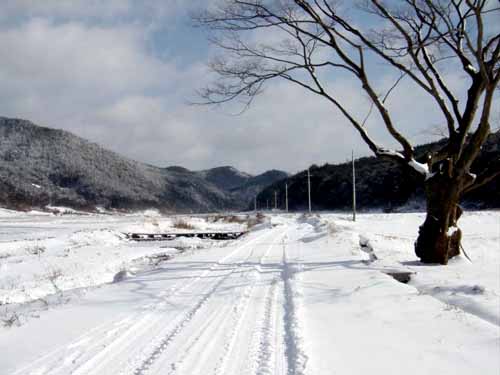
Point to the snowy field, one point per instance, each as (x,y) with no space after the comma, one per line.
(296,295)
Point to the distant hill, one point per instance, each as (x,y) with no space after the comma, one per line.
(379,184)
(225,178)
(240,185)
(41,166)
(255,184)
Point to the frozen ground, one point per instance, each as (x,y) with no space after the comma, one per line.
(301,296)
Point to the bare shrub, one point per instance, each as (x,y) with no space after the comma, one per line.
(215,218)
(12,320)
(53,275)
(36,250)
(333,228)
(257,219)
(182,224)
(235,219)
(248,220)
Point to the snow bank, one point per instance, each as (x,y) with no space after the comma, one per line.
(448,315)
(470,287)
(262,226)
(8,213)
(33,269)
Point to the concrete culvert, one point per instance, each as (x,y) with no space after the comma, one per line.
(122,275)
(401,276)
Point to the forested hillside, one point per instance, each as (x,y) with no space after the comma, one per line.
(379,184)
(42,166)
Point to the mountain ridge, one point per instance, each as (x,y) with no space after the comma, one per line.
(41,166)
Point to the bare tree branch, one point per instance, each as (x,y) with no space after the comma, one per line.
(315,41)
(485,177)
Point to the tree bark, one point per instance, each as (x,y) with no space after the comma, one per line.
(439,237)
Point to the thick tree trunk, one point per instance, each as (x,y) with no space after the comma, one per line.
(439,237)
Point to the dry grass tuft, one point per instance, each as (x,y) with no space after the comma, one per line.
(234,219)
(11,321)
(182,224)
(257,219)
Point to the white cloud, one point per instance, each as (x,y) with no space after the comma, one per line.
(72,54)
(101,81)
(88,10)
(55,72)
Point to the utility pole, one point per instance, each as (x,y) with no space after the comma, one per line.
(267,204)
(309,188)
(353,189)
(255,203)
(275,200)
(286,197)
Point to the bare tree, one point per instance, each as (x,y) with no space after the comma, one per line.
(305,41)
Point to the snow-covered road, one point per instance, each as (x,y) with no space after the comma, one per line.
(218,311)
(297,297)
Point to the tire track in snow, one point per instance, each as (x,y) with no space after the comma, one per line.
(236,318)
(108,336)
(295,354)
(212,325)
(56,355)
(280,364)
(222,367)
(102,345)
(205,345)
(165,341)
(157,329)
(265,346)
(265,343)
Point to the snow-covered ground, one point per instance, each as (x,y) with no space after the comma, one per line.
(299,295)
(43,254)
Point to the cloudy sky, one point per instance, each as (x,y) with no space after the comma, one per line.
(123,72)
